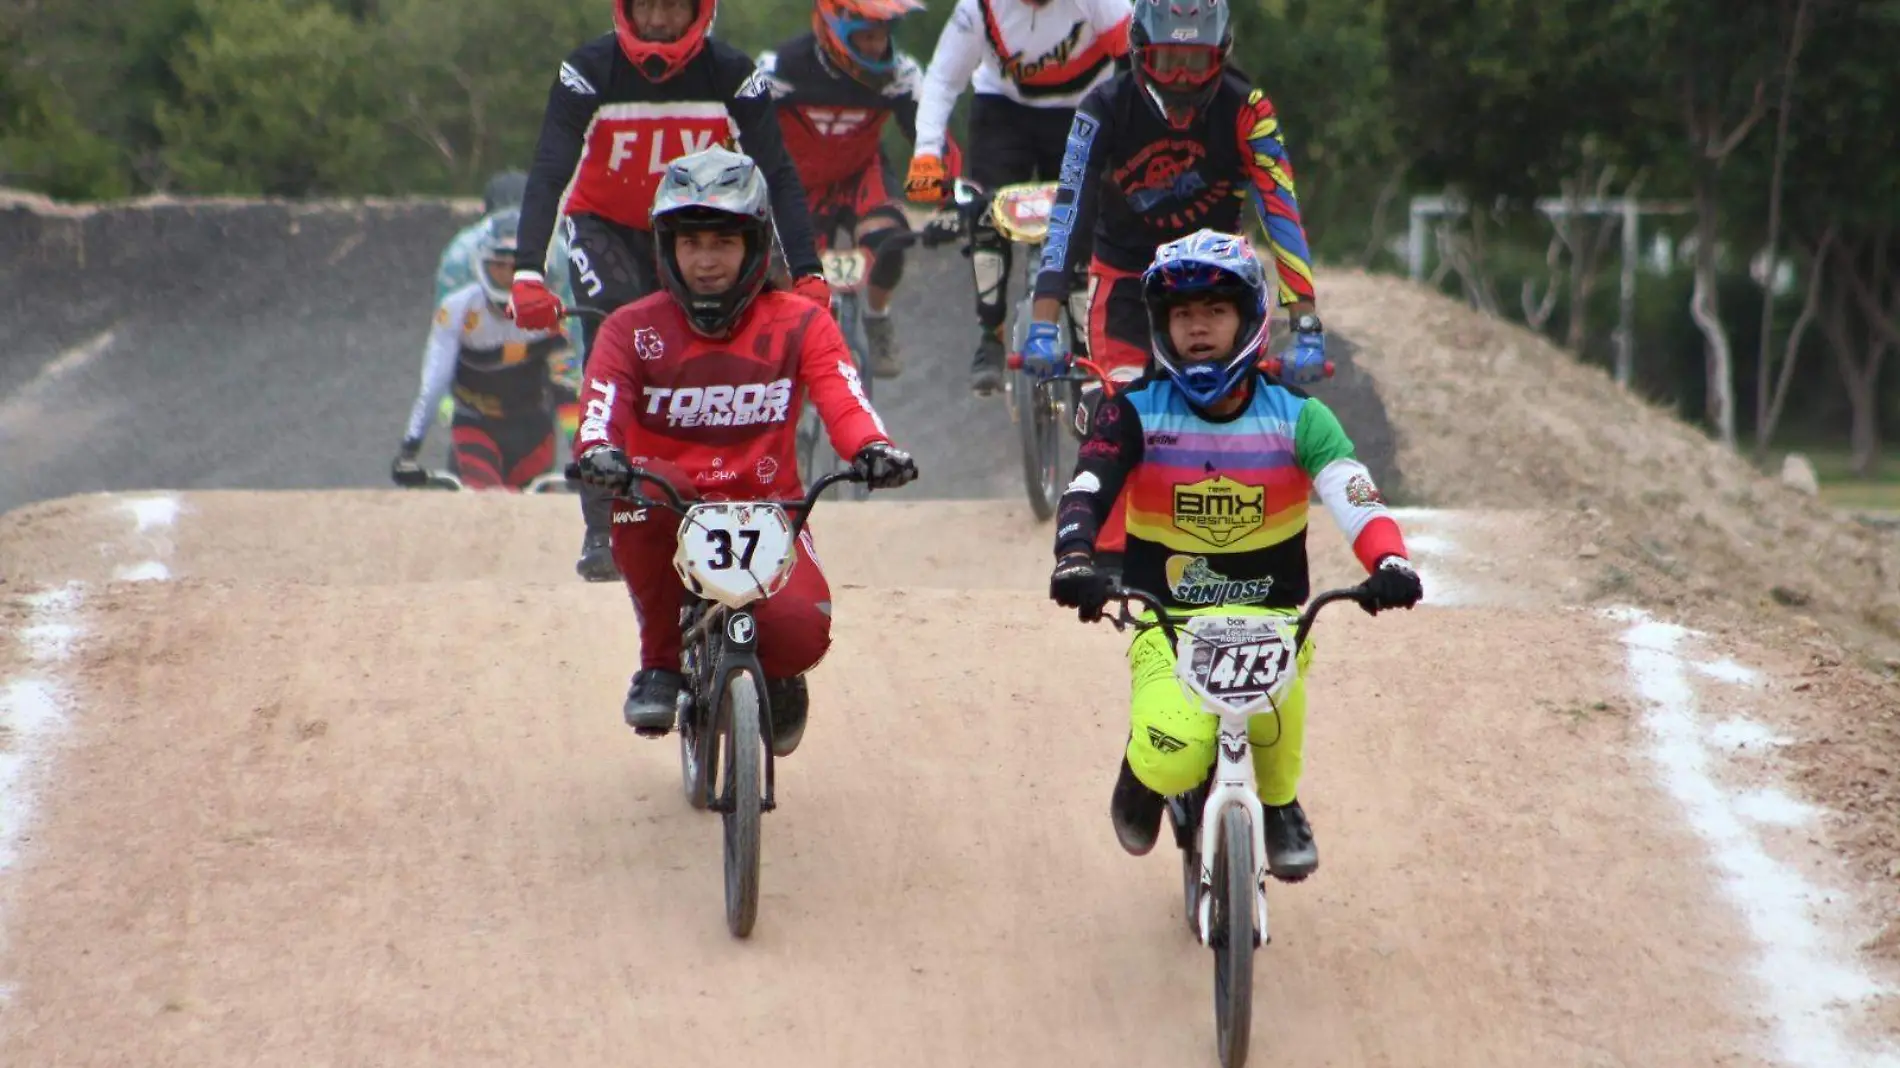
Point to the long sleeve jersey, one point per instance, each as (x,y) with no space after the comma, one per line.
(609,133)
(832,123)
(497,370)
(457,268)
(1216,508)
(725,411)
(1145,184)
(1045,55)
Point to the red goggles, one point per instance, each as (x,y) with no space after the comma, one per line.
(1180,64)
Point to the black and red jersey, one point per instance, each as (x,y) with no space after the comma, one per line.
(832,123)
(609,133)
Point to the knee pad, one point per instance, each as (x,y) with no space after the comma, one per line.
(989,262)
(887,265)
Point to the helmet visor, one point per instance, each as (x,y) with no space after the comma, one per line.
(1180,64)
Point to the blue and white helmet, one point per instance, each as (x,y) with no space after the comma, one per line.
(1207,263)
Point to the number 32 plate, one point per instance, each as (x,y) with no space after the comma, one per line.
(735,552)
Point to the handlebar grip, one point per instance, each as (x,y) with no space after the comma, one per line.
(1273,365)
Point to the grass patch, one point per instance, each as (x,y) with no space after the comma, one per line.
(1840,487)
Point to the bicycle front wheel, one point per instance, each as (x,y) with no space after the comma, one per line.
(740,798)
(1233,937)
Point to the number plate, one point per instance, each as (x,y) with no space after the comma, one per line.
(1021,212)
(1237,661)
(735,552)
(844,268)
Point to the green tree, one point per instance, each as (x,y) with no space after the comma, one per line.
(282,98)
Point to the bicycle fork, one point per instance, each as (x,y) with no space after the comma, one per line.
(1233,785)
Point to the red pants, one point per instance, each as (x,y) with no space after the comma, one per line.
(1118,344)
(794,623)
(502,455)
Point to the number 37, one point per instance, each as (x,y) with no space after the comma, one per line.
(721,542)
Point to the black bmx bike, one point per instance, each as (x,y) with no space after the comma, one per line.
(732,555)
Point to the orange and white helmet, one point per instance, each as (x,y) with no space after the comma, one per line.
(834,21)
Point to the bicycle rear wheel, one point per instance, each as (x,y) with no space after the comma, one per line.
(1233,937)
(740,799)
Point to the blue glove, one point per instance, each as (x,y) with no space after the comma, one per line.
(1039,350)
(1305,360)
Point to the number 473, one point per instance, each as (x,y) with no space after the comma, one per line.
(721,542)
(1244,665)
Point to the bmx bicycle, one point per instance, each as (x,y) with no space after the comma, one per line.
(731,555)
(847,272)
(1235,667)
(1039,405)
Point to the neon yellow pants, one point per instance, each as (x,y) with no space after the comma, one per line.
(1171,739)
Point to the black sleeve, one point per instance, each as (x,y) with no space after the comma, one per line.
(571,103)
(1112,451)
(1069,238)
(756,114)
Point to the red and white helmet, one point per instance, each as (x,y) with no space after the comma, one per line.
(660,60)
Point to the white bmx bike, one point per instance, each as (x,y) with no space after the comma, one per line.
(1235,667)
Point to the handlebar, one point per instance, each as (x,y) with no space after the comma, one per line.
(1124,596)
(438,479)
(673,502)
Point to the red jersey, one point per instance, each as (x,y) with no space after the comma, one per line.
(725,411)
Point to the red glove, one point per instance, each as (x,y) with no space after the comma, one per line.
(531,306)
(813,288)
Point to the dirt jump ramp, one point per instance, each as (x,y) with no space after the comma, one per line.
(340,778)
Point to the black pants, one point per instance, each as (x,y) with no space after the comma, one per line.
(609,265)
(1009,143)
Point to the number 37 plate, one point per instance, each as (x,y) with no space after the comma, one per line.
(735,552)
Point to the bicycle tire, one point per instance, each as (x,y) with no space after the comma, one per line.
(745,751)
(850,316)
(1040,434)
(1233,938)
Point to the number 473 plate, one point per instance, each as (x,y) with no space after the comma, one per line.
(1237,661)
(735,552)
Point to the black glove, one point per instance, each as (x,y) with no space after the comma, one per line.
(883,465)
(1076,584)
(404,470)
(1393,584)
(606,467)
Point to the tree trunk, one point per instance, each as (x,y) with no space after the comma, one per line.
(1705,309)
(1882,322)
(1764,356)
(1791,350)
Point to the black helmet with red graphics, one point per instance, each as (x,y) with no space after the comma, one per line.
(1179,51)
(661,36)
(719,190)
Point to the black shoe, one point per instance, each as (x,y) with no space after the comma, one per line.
(880,333)
(790,701)
(986,371)
(1136,812)
(652,706)
(1292,854)
(597,558)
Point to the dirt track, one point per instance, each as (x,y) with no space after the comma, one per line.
(334,804)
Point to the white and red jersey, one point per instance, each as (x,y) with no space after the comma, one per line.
(724,411)
(1045,55)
